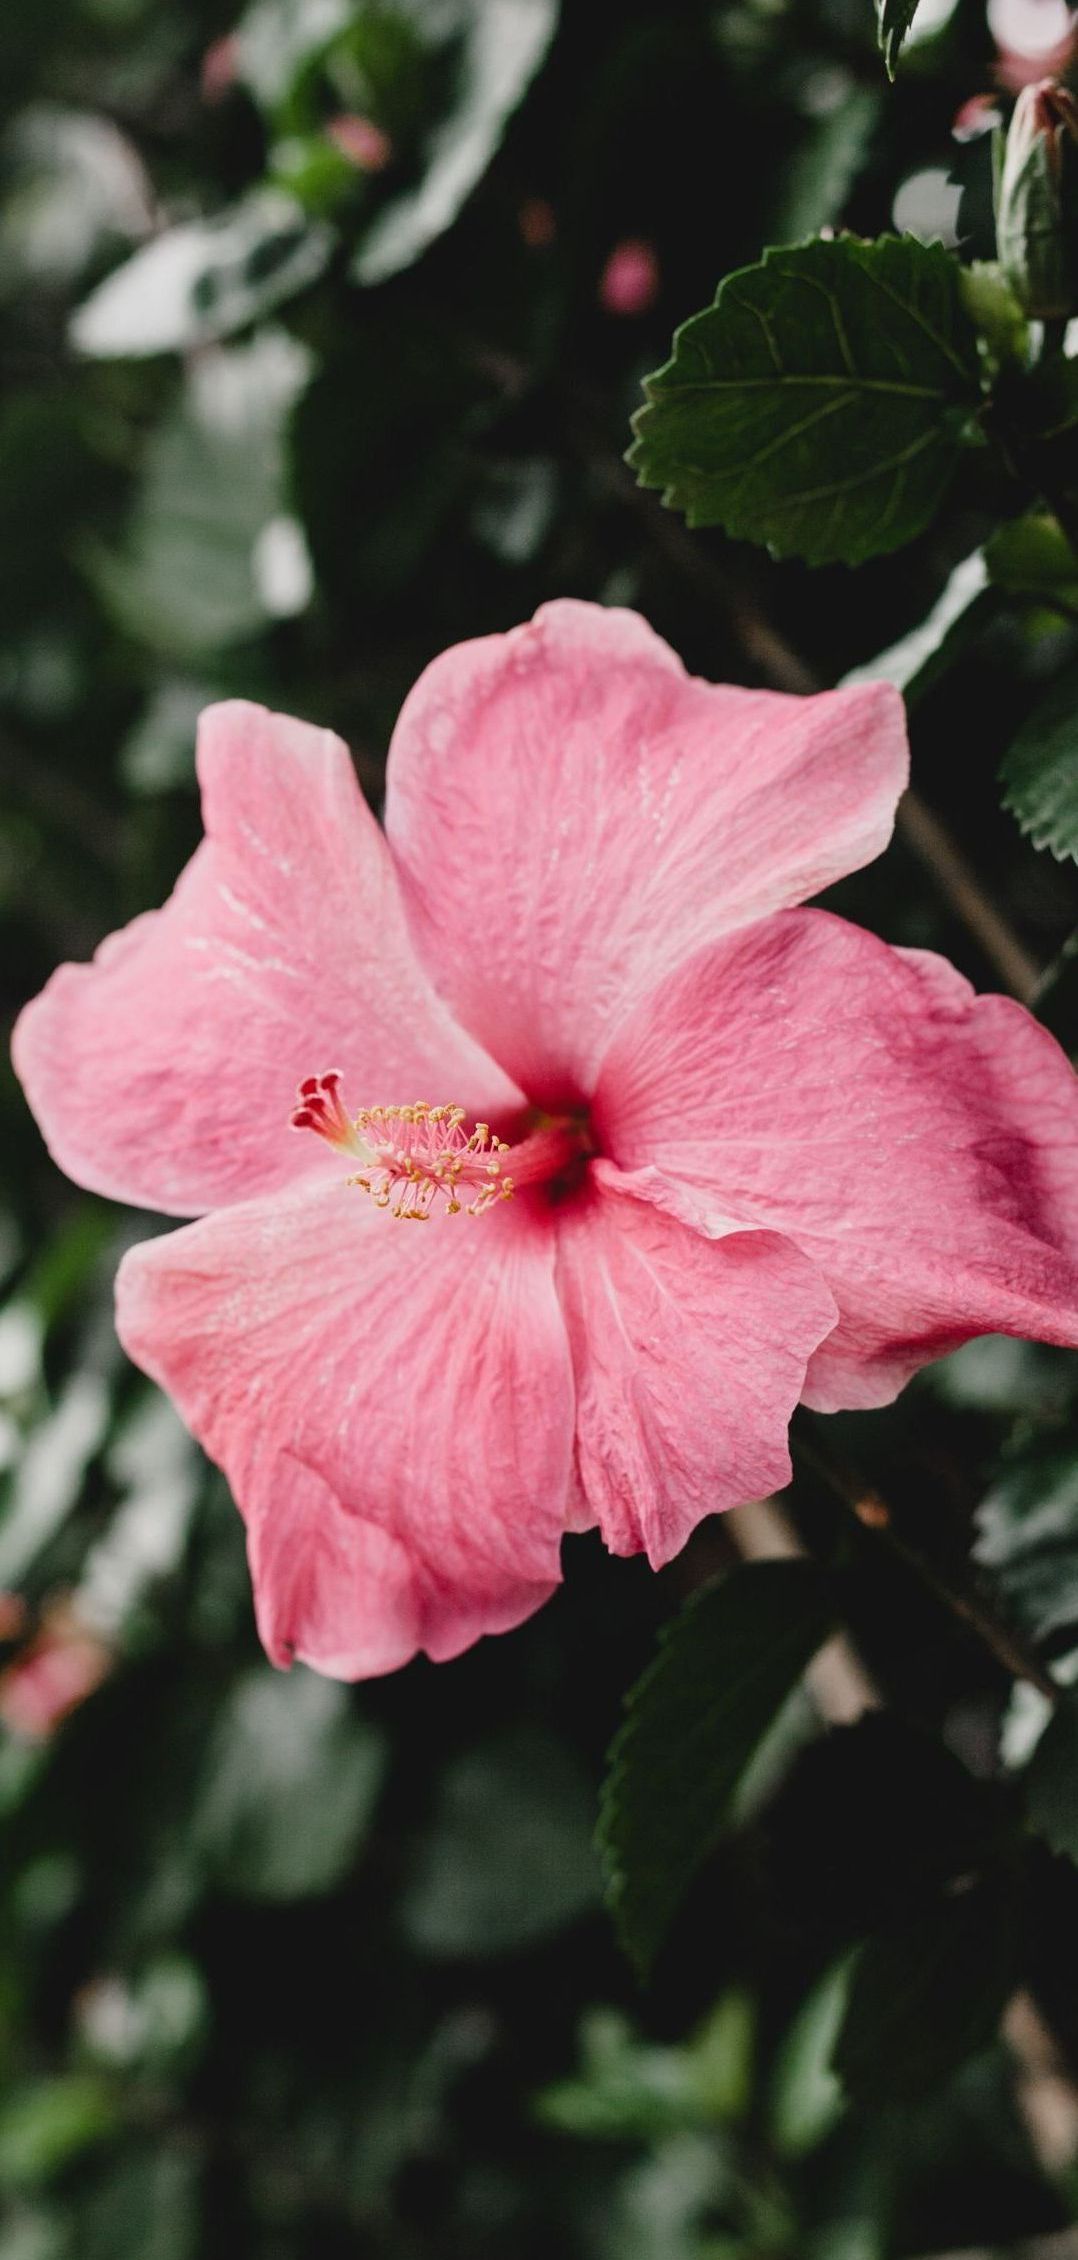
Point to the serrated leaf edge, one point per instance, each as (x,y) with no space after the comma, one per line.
(614,1880)
(652,383)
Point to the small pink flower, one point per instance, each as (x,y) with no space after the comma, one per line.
(629,283)
(220,68)
(364,144)
(980,114)
(63,1664)
(680,1153)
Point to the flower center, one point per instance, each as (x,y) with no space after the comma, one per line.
(416,1156)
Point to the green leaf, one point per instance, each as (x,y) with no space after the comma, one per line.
(275,40)
(48,1477)
(147,2209)
(1051,1781)
(626,2088)
(1040,772)
(1034,416)
(75,184)
(957,608)
(872,1819)
(819,405)
(1032,557)
(827,164)
(201,566)
(158,754)
(35,2235)
(502,44)
(994,311)
(925,1995)
(806,2098)
(509,1857)
(630,2088)
(694,1722)
(996,1373)
(290,1786)
(204,280)
(893,20)
(46,2125)
(663,2205)
(1027,1528)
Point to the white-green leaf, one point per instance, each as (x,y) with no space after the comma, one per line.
(200,569)
(893,20)
(503,43)
(1040,773)
(275,38)
(905,660)
(75,183)
(205,279)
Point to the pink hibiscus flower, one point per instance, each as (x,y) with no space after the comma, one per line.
(686,1154)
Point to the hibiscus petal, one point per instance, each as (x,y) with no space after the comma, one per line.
(573,815)
(690,1356)
(918,1142)
(165,1072)
(393,1410)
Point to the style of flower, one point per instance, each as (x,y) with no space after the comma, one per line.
(644,1154)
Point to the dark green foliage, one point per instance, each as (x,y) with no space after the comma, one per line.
(820,404)
(289,1786)
(375,489)
(694,1723)
(1040,773)
(874,1821)
(1027,1538)
(508,1859)
(894,18)
(1049,1780)
(928,1993)
(1032,557)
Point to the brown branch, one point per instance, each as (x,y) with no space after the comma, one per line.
(872,1512)
(957,882)
(836,1677)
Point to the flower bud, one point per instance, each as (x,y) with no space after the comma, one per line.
(1036,200)
(629,283)
(364,144)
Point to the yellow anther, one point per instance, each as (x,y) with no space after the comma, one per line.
(419,1152)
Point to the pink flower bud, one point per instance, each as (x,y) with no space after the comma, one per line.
(220,65)
(62,1665)
(979,115)
(1035,196)
(362,142)
(630,279)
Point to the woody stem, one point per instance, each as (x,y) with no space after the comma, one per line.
(874,1514)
